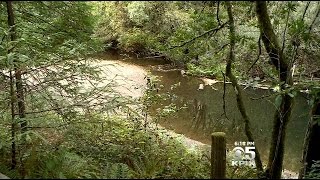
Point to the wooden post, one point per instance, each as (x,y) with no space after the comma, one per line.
(218,155)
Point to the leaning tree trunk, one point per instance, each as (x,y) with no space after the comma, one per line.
(311,147)
(311,142)
(282,115)
(238,90)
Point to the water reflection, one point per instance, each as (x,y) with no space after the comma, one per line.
(204,115)
(199,115)
(204,112)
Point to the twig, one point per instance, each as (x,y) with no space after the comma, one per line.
(203,34)
(233,172)
(219,22)
(305,10)
(44,66)
(223,96)
(4,36)
(264,96)
(296,47)
(284,32)
(222,47)
(24,13)
(60,125)
(204,3)
(259,54)
(314,20)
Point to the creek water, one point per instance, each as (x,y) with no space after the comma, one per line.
(203,112)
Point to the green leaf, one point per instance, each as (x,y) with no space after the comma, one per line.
(278,100)
(28,138)
(291,95)
(10,58)
(311,102)
(61,175)
(40,137)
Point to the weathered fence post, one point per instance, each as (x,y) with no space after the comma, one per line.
(218,155)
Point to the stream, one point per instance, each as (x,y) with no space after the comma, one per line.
(203,112)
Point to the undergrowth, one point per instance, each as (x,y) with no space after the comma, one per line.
(114,147)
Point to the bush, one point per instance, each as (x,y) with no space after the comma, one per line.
(139,152)
(314,172)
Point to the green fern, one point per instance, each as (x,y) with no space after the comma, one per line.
(116,171)
(315,171)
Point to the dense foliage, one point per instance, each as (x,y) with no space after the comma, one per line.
(170,29)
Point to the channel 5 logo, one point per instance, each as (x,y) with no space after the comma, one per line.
(244,156)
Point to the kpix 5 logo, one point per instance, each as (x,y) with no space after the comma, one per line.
(244,156)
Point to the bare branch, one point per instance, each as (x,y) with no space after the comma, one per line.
(222,47)
(218,6)
(259,54)
(285,30)
(305,10)
(43,67)
(204,3)
(61,125)
(223,96)
(215,30)
(314,20)
(264,96)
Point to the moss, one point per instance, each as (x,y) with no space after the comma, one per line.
(222,134)
(282,116)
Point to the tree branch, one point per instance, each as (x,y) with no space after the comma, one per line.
(285,30)
(259,54)
(222,47)
(305,10)
(314,20)
(282,115)
(218,6)
(264,96)
(238,91)
(223,96)
(215,30)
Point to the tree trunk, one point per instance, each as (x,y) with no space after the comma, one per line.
(19,91)
(283,113)
(13,123)
(19,84)
(311,142)
(238,90)
(12,96)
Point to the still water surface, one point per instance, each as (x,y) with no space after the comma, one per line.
(204,109)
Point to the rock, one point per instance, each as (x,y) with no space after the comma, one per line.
(201,87)
(209,82)
(183,72)
(286,174)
